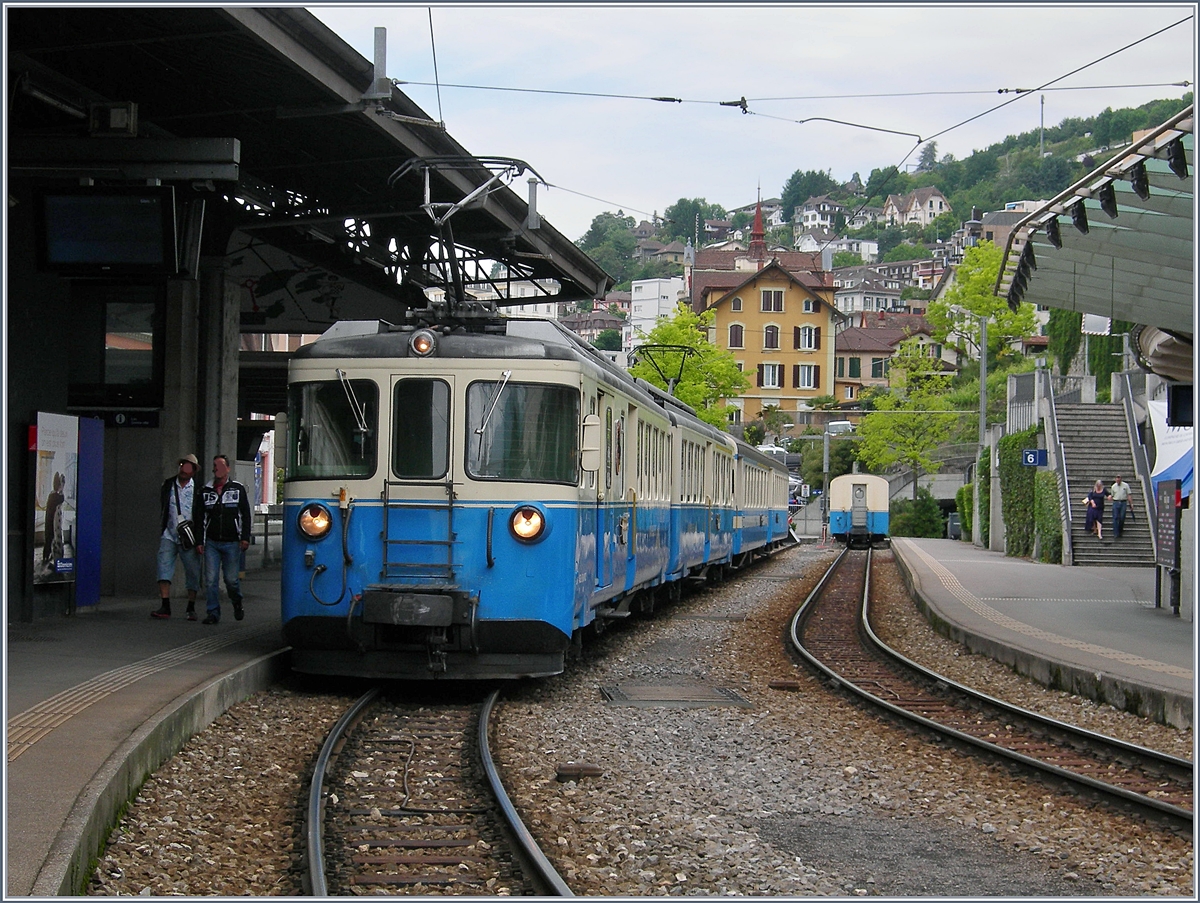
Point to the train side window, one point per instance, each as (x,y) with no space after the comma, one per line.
(420,429)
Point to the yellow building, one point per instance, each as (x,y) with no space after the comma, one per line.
(780,330)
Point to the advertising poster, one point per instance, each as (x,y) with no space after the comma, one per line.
(55,494)
(1174,458)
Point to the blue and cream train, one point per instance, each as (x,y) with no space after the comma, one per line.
(858,509)
(464,497)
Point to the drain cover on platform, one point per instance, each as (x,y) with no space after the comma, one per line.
(672,695)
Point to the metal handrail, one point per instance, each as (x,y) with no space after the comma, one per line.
(1064,493)
(1140,461)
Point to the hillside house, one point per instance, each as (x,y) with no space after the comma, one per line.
(922,207)
(779,327)
(863,356)
(818,213)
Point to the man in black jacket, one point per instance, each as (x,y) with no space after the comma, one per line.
(175,500)
(224,511)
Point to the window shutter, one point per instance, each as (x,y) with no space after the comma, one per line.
(816,305)
(817,338)
(795,337)
(760,375)
(817,376)
(795,376)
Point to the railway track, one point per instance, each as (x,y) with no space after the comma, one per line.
(405,799)
(832,631)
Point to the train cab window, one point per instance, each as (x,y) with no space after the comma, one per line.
(524,432)
(332,429)
(420,429)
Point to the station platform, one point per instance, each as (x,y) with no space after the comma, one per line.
(1094,632)
(96,701)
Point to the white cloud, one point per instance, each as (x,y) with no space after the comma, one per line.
(643,156)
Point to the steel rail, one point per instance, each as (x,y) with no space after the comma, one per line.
(316,797)
(1177,813)
(530,850)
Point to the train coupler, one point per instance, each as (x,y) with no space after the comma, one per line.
(434,648)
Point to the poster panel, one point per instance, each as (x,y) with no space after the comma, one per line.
(55,498)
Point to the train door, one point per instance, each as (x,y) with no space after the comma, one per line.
(858,507)
(604,512)
(706,497)
(418,526)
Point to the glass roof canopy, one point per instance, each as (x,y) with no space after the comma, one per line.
(1119,242)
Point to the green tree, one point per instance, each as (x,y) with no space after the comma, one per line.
(928,159)
(610,242)
(608,340)
(907,252)
(604,225)
(920,516)
(842,455)
(971,297)
(901,430)
(686,215)
(801,186)
(709,375)
(942,227)
(847,259)
(775,420)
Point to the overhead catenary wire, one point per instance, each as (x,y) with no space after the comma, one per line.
(743,103)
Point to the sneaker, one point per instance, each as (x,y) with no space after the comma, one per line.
(238,613)
(191,614)
(162,613)
(211,619)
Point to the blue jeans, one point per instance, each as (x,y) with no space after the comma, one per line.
(168,551)
(1118,517)
(217,555)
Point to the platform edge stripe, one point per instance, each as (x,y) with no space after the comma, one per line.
(72,701)
(64,871)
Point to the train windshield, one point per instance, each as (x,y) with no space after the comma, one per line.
(332,429)
(420,429)
(523,432)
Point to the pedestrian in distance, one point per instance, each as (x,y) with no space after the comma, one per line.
(224,534)
(1094,521)
(177,503)
(1119,492)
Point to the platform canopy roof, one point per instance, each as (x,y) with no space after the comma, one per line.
(291,134)
(1119,244)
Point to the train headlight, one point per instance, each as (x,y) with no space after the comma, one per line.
(423,343)
(315,521)
(527,523)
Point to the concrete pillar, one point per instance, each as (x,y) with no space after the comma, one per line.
(181,374)
(220,315)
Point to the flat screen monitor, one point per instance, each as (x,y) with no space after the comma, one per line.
(107,231)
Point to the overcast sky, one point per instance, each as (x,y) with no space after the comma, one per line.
(641,156)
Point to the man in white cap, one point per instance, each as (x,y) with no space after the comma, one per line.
(177,498)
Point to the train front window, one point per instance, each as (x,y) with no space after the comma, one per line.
(523,432)
(420,429)
(332,429)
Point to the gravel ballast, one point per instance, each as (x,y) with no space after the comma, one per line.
(737,789)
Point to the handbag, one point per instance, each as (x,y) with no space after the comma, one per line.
(185,529)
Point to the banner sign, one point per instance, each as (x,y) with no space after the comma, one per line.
(54,498)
